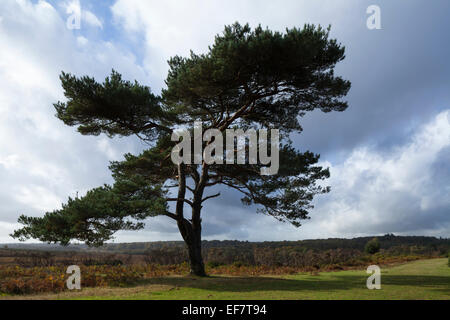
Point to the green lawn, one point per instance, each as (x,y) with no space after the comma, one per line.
(424,279)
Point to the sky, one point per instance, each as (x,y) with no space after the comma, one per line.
(388,153)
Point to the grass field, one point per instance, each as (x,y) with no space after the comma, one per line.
(424,279)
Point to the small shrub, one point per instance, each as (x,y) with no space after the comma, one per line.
(373,246)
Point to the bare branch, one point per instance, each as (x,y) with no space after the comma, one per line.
(210,197)
(171,215)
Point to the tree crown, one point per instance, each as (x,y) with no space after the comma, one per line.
(248,79)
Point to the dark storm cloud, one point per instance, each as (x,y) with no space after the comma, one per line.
(400,78)
(399,75)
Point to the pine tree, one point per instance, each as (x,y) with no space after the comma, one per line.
(248,79)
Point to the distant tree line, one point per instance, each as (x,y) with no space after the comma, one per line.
(288,253)
(388,241)
(302,253)
(298,254)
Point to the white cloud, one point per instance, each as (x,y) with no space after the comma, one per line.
(91,19)
(10,161)
(6,229)
(405,191)
(42,161)
(74,7)
(175,27)
(394,191)
(108,149)
(82,41)
(39,198)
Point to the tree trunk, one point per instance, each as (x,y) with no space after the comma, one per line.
(193,239)
(191,231)
(195,257)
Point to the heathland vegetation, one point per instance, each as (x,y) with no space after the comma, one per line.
(423,280)
(30,269)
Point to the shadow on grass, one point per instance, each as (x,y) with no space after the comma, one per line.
(316,283)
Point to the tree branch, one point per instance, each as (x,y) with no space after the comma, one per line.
(171,215)
(210,197)
(180,199)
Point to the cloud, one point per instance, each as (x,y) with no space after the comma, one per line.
(397,74)
(106,146)
(38,197)
(175,27)
(404,190)
(394,71)
(82,41)
(42,162)
(74,8)
(91,19)
(5,230)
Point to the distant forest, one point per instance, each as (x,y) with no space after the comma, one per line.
(298,254)
(387,242)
